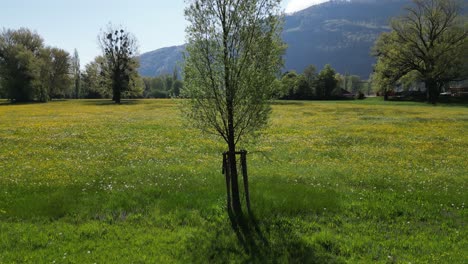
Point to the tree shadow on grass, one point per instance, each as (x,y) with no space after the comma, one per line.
(104,102)
(288,102)
(10,103)
(278,245)
(250,236)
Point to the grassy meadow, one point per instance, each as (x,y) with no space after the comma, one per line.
(367,181)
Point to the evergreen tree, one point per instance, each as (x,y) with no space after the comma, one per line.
(76,72)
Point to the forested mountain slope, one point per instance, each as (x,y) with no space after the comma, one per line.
(340,33)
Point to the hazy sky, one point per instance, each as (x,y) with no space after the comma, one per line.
(74,24)
(295,5)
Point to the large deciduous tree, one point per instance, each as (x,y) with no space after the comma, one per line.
(233,58)
(19,55)
(119,49)
(429,39)
(29,71)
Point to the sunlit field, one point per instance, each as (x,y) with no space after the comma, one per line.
(331,182)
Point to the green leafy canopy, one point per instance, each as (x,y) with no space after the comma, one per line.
(233,58)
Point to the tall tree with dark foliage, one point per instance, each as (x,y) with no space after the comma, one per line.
(119,49)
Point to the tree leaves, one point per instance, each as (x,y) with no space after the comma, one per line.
(232,60)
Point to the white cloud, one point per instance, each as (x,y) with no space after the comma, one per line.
(297,5)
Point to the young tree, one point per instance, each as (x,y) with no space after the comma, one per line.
(53,80)
(310,78)
(383,78)
(429,39)
(177,84)
(60,77)
(119,50)
(326,82)
(95,85)
(232,60)
(169,83)
(175,74)
(387,71)
(355,84)
(289,85)
(76,72)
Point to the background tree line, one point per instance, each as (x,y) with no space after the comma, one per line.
(30,70)
(326,84)
(165,86)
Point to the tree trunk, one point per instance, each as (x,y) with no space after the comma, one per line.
(236,203)
(117,97)
(116,93)
(432,91)
(230,95)
(77,88)
(227,173)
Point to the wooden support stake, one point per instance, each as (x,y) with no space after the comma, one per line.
(227,173)
(246,178)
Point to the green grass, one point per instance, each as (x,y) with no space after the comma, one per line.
(332,182)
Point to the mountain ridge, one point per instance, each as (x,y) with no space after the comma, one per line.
(338,32)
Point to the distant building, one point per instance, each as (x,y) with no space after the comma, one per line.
(346,93)
(459,88)
(455,88)
(415,87)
